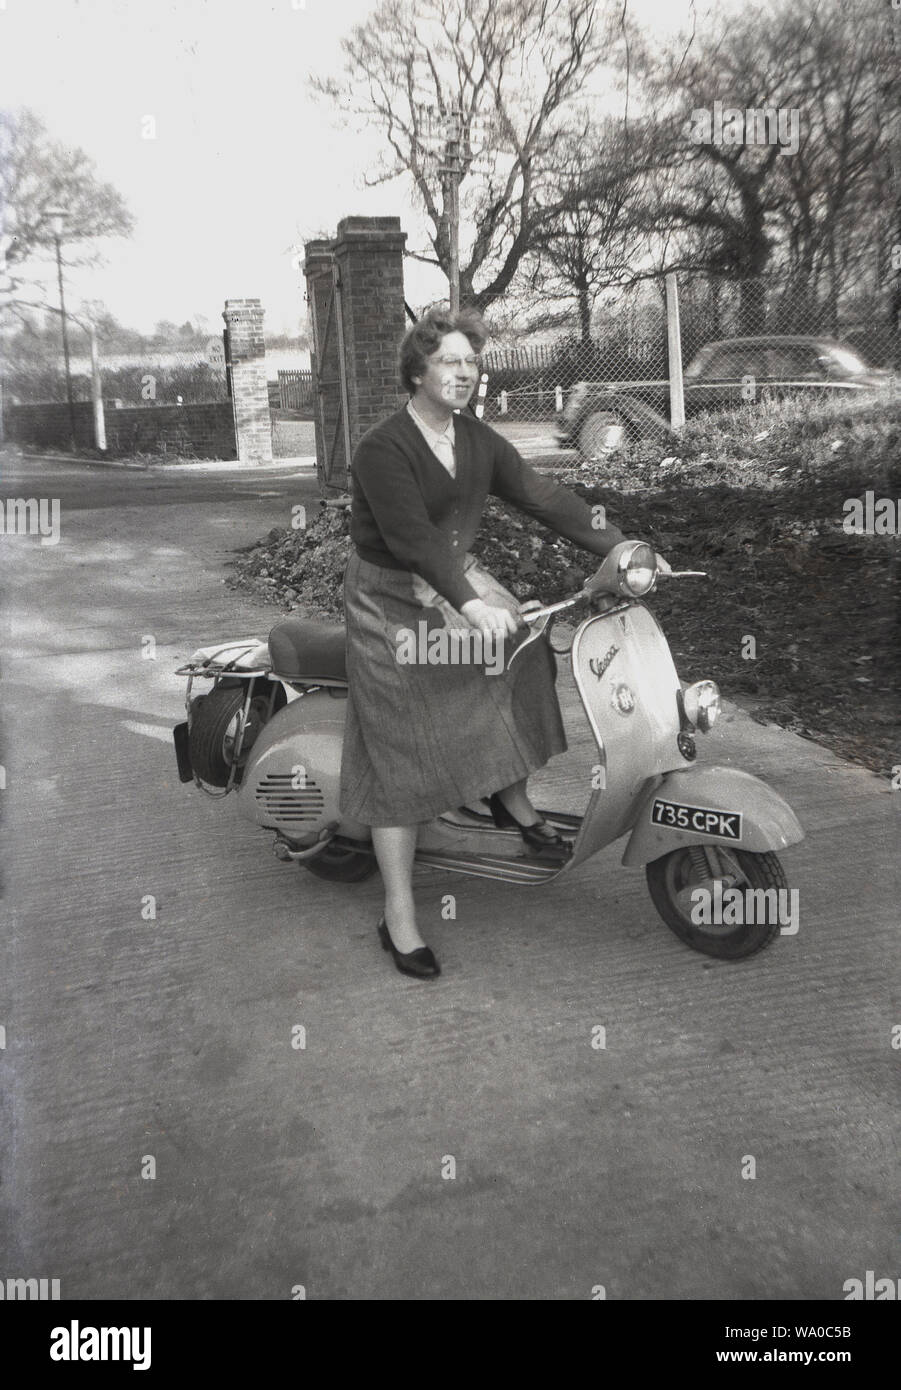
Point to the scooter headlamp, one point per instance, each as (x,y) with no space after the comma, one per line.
(702,704)
(637,570)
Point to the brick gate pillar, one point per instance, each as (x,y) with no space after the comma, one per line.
(247,369)
(368,254)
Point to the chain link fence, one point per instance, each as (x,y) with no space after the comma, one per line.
(741,343)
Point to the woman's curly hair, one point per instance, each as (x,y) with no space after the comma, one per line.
(425,336)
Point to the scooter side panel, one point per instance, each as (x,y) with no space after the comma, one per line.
(629,686)
(291,782)
(711,805)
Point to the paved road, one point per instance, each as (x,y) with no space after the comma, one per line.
(169,1039)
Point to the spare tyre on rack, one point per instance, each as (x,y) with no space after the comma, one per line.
(215,725)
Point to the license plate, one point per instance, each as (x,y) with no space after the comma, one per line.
(183,753)
(724,825)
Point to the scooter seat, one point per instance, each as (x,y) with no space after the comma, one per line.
(303,649)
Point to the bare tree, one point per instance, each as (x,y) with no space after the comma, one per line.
(833,183)
(741,207)
(588,237)
(516,66)
(717,198)
(38,173)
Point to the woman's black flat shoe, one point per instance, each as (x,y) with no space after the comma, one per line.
(540,838)
(420,963)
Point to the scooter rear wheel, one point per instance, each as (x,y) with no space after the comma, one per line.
(673,877)
(342,865)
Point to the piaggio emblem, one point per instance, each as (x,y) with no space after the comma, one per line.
(599,666)
(623,699)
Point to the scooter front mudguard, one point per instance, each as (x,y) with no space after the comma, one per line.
(710,805)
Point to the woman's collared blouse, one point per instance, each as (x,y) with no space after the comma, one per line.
(409,513)
(442,443)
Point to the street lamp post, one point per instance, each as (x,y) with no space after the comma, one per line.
(57,217)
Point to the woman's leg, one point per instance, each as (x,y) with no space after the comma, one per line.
(394,848)
(538,834)
(517,802)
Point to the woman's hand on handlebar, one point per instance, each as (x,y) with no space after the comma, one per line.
(529,605)
(487,618)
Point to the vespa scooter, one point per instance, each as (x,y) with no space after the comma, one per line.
(271,729)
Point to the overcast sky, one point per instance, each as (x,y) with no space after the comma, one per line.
(245,163)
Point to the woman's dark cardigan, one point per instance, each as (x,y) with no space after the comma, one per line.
(409,513)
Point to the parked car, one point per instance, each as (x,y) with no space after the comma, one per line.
(602,416)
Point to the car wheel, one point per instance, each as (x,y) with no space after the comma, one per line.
(602,433)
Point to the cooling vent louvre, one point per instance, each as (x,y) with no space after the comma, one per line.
(284,802)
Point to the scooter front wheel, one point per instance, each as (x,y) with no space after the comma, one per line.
(748,921)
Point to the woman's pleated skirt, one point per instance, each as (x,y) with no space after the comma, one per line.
(433,724)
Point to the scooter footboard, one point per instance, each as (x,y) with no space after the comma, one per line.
(714,806)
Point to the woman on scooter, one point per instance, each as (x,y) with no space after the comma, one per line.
(422,738)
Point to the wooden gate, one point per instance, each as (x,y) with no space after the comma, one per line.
(295,390)
(330,376)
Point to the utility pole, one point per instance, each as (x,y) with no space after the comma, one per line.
(442,137)
(454,243)
(57,216)
(452,171)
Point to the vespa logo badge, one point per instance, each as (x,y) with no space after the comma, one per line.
(623,700)
(599,666)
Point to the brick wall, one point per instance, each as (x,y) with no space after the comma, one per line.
(191,431)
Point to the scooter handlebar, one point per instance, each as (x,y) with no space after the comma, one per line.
(546,610)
